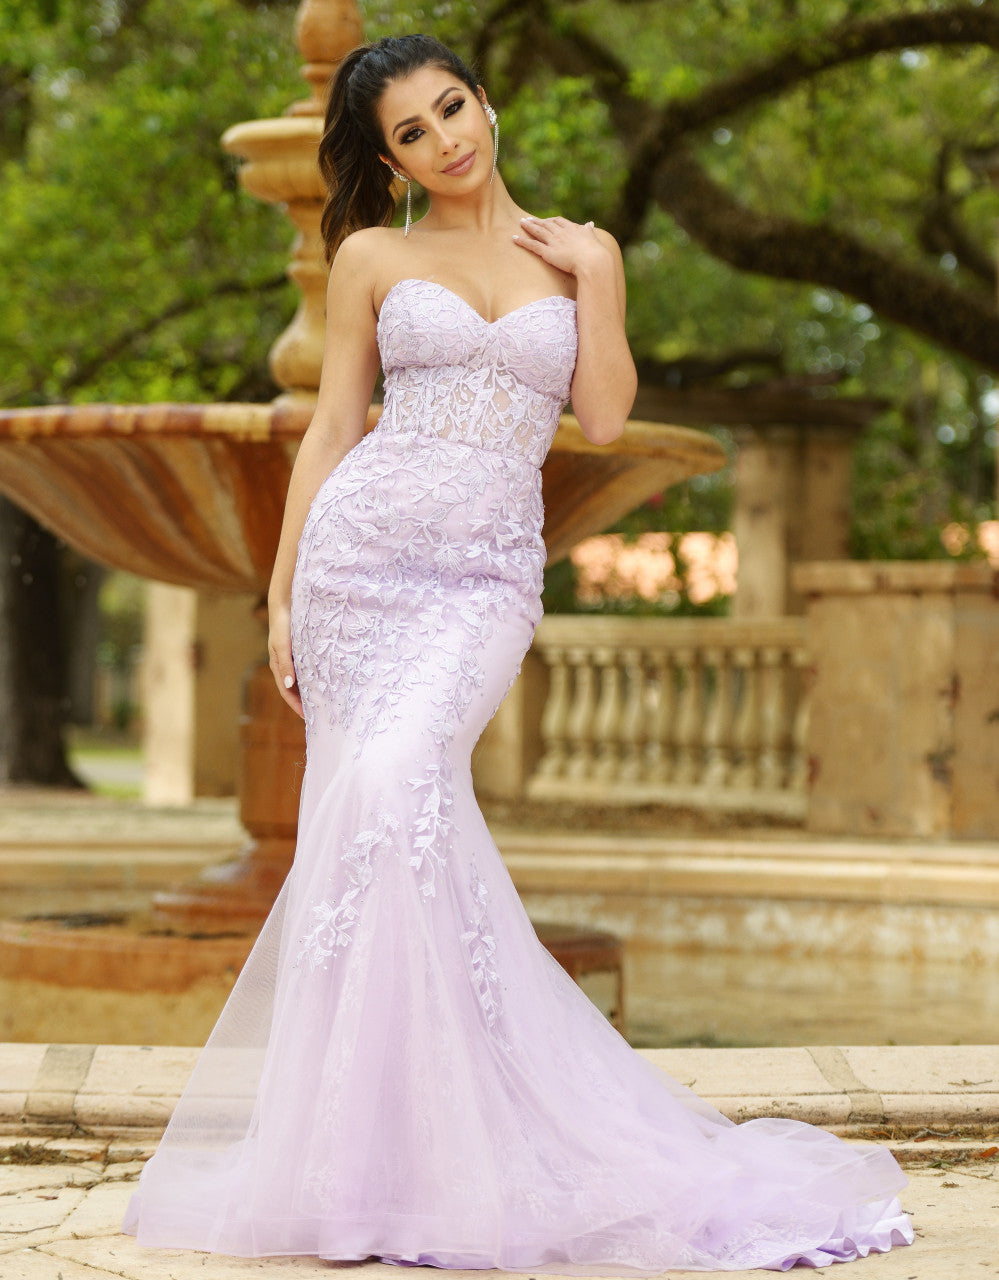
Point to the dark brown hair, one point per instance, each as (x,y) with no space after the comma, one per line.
(359,185)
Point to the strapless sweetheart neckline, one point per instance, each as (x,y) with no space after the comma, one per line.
(551,297)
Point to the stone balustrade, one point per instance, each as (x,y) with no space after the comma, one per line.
(875,714)
(690,711)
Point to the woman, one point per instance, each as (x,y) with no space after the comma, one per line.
(402,1071)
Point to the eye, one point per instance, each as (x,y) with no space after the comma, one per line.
(455,105)
(410,136)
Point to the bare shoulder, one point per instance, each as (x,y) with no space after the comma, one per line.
(361,250)
(368,258)
(357,265)
(608,242)
(368,240)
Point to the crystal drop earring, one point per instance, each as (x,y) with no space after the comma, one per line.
(409,207)
(409,195)
(494,124)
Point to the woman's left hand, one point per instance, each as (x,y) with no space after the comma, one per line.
(565,245)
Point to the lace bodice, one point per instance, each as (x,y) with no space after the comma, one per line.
(497,384)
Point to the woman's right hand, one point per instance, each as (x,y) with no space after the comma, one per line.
(279,649)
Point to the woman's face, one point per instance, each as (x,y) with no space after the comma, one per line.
(436,131)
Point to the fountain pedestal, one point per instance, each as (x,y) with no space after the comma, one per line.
(239,894)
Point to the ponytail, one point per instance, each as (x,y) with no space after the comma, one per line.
(358,183)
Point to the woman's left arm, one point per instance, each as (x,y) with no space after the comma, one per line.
(605,381)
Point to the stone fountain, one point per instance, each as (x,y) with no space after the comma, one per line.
(193,494)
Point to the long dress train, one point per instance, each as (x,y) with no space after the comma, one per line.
(402,1071)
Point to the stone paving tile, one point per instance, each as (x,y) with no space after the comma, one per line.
(35,1217)
(934,1110)
(825,1110)
(31,1264)
(21,1178)
(139,1069)
(12,1106)
(19,1065)
(932,1068)
(123,1257)
(99,1213)
(742,1071)
(111,1112)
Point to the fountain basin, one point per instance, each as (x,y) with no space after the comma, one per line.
(193,494)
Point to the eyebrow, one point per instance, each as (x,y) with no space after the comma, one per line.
(436,103)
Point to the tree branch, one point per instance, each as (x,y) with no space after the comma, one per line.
(572,51)
(492,28)
(691,370)
(181,306)
(940,229)
(845,43)
(822,254)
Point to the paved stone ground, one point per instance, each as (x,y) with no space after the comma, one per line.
(60,1222)
(76,1121)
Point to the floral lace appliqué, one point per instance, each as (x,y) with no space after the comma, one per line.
(333,923)
(424,539)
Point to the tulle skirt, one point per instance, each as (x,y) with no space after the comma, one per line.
(402,1071)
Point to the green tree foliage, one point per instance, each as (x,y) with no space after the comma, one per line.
(134,267)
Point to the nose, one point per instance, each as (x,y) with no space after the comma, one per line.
(444,140)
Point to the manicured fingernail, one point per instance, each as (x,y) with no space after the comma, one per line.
(289,681)
(516,237)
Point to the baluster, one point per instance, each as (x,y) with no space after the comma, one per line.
(772,718)
(607,718)
(689,726)
(581,712)
(661,755)
(718,718)
(746,730)
(555,715)
(635,717)
(798,772)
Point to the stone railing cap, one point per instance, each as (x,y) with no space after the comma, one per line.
(869,577)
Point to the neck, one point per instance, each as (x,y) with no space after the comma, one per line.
(479,212)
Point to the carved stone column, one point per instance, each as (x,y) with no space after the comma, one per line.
(792,503)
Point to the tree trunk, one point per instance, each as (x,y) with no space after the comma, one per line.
(33,703)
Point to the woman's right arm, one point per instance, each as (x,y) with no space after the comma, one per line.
(350,366)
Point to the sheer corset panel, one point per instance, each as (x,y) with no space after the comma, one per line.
(498,385)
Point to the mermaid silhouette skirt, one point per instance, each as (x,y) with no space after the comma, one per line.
(402,1071)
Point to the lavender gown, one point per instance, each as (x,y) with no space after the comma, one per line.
(402,1071)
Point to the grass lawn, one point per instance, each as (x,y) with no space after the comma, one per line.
(109,762)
